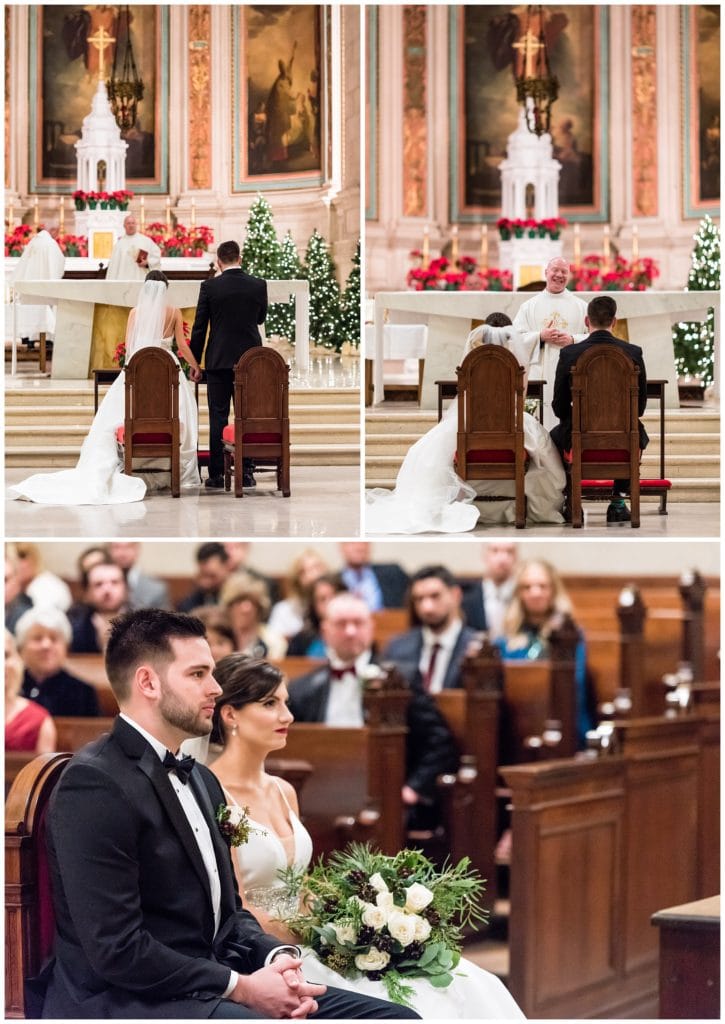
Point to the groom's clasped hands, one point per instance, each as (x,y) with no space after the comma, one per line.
(278,990)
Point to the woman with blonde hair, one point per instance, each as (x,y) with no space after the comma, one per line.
(537,608)
(288,616)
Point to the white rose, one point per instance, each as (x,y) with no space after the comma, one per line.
(417,897)
(236,815)
(374,916)
(384,900)
(402,927)
(422,928)
(345,934)
(373,960)
(378,882)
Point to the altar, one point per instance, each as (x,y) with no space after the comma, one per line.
(91,318)
(449,317)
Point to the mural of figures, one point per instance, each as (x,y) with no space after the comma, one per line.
(281,54)
(67,76)
(489,35)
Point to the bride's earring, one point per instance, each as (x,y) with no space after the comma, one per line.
(234,730)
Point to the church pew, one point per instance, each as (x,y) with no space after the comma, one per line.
(91,669)
(598,846)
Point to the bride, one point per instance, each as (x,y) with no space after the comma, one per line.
(97,478)
(251,719)
(430,497)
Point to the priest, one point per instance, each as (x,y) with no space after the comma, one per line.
(41,260)
(133,254)
(554,318)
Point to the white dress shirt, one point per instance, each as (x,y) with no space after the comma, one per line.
(344,704)
(496,599)
(446,641)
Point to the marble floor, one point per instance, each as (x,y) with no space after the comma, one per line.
(325,502)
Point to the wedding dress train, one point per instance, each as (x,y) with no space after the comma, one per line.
(473,994)
(429,497)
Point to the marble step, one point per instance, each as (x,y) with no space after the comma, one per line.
(676,445)
(327,454)
(82,414)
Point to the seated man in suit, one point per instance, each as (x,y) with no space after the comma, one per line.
(149,923)
(333,694)
(486,601)
(601,320)
(379,585)
(105,595)
(430,655)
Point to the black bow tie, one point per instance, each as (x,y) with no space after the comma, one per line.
(181,765)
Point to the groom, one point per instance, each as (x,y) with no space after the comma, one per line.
(231,305)
(149,923)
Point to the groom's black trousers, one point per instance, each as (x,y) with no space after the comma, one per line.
(336,1004)
(219,395)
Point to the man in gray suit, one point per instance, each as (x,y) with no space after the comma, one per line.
(143,591)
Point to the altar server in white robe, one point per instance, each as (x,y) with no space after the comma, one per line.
(553,318)
(42,260)
(133,254)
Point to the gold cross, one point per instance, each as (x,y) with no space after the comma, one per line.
(529,46)
(101,40)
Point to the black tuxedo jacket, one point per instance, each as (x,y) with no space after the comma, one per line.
(561,402)
(474,607)
(134,921)
(231,305)
(430,747)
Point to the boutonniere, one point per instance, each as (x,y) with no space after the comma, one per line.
(369,674)
(234,824)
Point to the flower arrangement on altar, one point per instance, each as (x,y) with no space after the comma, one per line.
(596,273)
(550,226)
(17,239)
(119,354)
(182,241)
(118,200)
(387,918)
(460,275)
(73,245)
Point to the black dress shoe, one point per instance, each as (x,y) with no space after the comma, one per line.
(248,480)
(617,513)
(214,483)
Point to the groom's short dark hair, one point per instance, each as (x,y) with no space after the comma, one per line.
(601,311)
(228,252)
(144,635)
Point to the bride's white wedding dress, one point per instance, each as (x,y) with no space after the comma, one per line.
(429,496)
(97,478)
(473,994)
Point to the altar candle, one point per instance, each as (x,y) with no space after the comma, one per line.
(577,245)
(606,246)
(168,213)
(426,247)
(10,217)
(454,243)
(483,260)
(193,213)
(61,213)
(35,213)
(635,243)
(143,215)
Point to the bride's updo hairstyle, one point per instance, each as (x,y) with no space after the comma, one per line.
(157,275)
(493,319)
(243,680)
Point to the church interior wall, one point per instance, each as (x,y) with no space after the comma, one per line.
(332,207)
(636,146)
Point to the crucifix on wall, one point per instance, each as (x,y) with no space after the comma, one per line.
(101,40)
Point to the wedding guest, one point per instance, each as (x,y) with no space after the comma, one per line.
(212,572)
(133,254)
(43,639)
(430,654)
(551,320)
(219,632)
(540,601)
(91,556)
(149,923)
(288,616)
(16,602)
(105,595)
(238,552)
(28,726)
(308,642)
(380,585)
(143,591)
(247,605)
(332,694)
(601,319)
(41,585)
(486,601)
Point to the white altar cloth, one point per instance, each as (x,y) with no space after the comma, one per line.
(448,315)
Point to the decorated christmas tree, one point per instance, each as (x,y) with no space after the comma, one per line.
(261,250)
(325,325)
(281,316)
(695,341)
(350,305)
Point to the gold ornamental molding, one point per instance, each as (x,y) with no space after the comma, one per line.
(644,110)
(415,127)
(200,142)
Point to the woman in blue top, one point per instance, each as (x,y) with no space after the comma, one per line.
(535,611)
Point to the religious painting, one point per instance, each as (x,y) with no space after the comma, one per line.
(278,96)
(701,106)
(484,109)
(71,49)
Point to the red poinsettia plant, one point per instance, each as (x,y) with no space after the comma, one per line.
(551,226)
(117,200)
(17,239)
(119,354)
(182,241)
(595,274)
(461,276)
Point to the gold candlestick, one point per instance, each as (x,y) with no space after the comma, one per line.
(35,213)
(10,217)
(143,215)
(168,214)
(454,244)
(61,214)
(193,213)
(426,247)
(635,243)
(606,247)
(483,258)
(577,245)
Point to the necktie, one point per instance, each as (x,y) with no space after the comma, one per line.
(428,677)
(182,766)
(338,673)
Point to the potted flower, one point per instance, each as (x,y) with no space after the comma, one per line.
(504,226)
(518,226)
(92,200)
(79,198)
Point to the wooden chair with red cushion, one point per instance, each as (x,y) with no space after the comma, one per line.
(29,916)
(261,418)
(151,426)
(605,424)
(491,421)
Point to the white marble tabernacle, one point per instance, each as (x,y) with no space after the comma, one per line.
(448,315)
(76,299)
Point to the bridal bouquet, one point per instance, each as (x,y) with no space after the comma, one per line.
(388,918)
